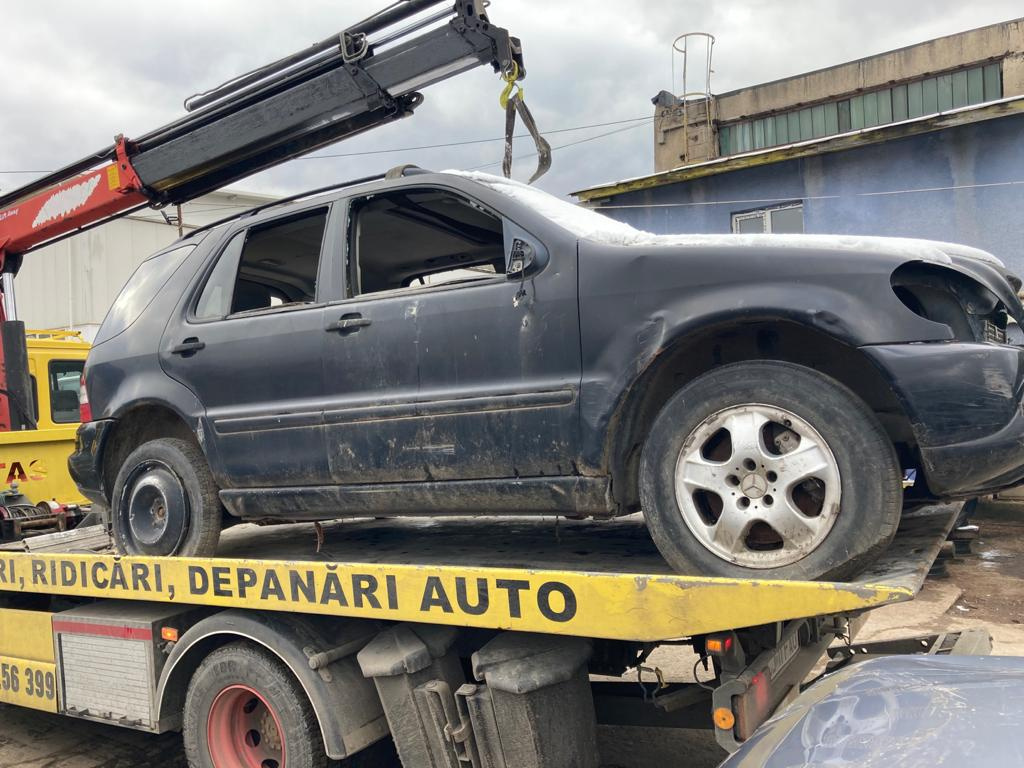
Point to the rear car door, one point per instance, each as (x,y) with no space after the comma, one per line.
(439,367)
(248,343)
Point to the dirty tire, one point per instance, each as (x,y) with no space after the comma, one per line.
(169,474)
(282,699)
(868,477)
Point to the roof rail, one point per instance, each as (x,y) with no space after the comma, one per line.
(401,170)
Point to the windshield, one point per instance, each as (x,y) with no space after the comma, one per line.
(582,222)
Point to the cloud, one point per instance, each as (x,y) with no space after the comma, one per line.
(78,73)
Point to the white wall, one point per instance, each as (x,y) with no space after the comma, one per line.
(71,284)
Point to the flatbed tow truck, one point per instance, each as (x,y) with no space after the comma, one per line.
(472,642)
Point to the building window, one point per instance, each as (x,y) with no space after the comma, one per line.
(952,90)
(783,220)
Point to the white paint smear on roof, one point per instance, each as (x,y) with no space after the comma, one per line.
(589,225)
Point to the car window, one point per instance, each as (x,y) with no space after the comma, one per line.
(142,287)
(418,237)
(266,266)
(64,377)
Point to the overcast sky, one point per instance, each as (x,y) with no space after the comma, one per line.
(77,73)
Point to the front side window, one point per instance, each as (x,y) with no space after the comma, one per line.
(266,266)
(421,237)
(785,220)
(64,379)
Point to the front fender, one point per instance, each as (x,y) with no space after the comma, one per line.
(346,704)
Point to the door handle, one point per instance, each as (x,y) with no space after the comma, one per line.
(188,347)
(349,323)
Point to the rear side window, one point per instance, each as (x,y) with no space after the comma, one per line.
(142,287)
(266,266)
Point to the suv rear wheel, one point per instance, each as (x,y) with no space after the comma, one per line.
(772,470)
(165,501)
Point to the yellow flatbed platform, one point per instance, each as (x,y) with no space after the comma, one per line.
(583,579)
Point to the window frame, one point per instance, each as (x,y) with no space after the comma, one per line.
(50,391)
(765,215)
(324,273)
(349,257)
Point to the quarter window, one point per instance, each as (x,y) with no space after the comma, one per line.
(265,266)
(787,219)
(419,237)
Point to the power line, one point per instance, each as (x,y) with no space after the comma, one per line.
(789,198)
(466,142)
(560,146)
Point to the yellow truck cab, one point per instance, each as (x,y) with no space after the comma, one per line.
(36,459)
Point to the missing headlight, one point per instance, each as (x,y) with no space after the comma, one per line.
(967,308)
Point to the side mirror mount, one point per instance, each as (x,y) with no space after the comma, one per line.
(524,256)
(521,257)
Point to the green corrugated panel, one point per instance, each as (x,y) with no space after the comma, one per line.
(857,113)
(782,129)
(793,118)
(899,103)
(929,96)
(843,108)
(724,138)
(806,126)
(818,121)
(960,89)
(993,82)
(945,92)
(975,86)
(831,119)
(915,100)
(769,132)
(870,110)
(759,134)
(884,99)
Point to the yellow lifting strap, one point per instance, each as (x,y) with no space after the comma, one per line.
(512,102)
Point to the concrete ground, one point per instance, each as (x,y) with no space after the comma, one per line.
(985,589)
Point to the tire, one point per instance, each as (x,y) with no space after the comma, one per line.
(244,709)
(809,488)
(165,501)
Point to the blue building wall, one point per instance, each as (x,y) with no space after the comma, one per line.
(871,190)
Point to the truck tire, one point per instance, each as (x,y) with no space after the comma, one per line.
(772,470)
(244,709)
(165,501)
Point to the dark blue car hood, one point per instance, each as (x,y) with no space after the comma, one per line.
(900,712)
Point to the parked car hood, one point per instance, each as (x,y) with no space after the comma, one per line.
(907,711)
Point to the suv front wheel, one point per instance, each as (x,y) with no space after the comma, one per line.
(769,470)
(165,501)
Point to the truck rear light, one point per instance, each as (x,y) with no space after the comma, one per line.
(84,409)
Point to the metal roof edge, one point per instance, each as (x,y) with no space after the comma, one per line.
(975,113)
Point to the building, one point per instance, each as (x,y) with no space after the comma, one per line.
(925,141)
(72,283)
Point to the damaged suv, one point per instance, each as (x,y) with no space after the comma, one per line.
(450,343)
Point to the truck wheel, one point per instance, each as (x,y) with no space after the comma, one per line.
(165,501)
(244,709)
(770,470)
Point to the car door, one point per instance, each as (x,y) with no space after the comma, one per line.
(248,344)
(438,366)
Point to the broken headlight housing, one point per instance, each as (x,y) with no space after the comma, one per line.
(970,310)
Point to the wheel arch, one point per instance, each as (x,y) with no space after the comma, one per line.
(347,707)
(137,424)
(695,351)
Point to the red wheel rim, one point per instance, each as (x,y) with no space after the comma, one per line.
(244,731)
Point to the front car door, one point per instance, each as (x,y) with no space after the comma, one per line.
(247,340)
(447,369)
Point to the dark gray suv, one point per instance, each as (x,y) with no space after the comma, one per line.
(433,344)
